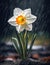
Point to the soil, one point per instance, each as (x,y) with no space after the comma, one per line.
(23,62)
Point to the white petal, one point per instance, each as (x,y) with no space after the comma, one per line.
(27,12)
(31,19)
(29,27)
(12,21)
(17,11)
(19,29)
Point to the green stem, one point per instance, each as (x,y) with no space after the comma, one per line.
(26,42)
(23,37)
(23,44)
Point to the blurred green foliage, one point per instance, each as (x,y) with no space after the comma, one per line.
(42,39)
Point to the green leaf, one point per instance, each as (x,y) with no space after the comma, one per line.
(20,43)
(16,45)
(23,43)
(26,44)
(33,39)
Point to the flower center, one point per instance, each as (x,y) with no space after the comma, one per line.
(20,20)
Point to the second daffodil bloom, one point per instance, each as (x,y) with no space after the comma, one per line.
(22,19)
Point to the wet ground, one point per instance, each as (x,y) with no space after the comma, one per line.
(12,63)
(9,52)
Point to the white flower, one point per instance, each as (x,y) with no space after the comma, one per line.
(22,19)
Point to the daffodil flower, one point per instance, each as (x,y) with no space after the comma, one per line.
(22,19)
